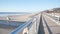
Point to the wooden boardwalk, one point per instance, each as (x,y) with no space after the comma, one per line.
(48,26)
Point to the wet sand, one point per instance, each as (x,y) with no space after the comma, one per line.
(4,29)
(7,27)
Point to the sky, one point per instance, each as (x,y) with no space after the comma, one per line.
(27,5)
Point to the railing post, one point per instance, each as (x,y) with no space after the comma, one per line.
(25,31)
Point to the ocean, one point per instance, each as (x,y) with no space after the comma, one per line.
(12,13)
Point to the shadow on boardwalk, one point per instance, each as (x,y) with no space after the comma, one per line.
(41,27)
(49,30)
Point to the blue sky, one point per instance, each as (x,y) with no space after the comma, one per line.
(27,5)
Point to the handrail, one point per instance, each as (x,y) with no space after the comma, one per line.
(20,28)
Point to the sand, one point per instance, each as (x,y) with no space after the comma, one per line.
(16,17)
(6,29)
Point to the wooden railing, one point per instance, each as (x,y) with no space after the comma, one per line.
(29,27)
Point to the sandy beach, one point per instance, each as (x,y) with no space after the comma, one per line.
(14,18)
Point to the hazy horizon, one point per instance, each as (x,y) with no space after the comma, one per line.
(28,5)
